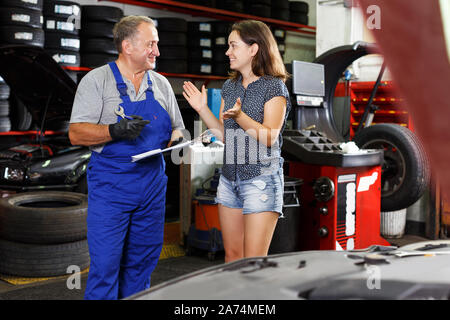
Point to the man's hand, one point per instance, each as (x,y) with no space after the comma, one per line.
(127,129)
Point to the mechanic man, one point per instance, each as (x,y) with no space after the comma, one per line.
(126,199)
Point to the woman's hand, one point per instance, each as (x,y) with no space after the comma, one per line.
(197,99)
(234,112)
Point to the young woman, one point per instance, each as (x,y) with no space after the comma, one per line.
(254,107)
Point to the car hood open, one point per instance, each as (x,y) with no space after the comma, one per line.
(39,82)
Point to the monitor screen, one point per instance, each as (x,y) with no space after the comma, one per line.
(308,78)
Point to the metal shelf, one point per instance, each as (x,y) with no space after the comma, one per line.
(166,74)
(202,11)
(29,132)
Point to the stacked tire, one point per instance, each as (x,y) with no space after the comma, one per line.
(259,8)
(5,123)
(280,37)
(173,42)
(221,63)
(200,47)
(42,234)
(21,22)
(97,44)
(298,12)
(280,10)
(231,5)
(62,42)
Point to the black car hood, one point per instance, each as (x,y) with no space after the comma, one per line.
(39,82)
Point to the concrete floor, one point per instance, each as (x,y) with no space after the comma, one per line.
(56,289)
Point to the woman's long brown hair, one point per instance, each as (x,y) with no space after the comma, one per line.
(267,61)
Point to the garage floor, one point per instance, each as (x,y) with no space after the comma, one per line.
(168,268)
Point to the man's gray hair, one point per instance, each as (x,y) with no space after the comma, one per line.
(126,28)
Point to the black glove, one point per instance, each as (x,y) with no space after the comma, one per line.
(175,142)
(127,129)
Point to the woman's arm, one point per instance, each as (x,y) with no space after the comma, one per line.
(198,101)
(267,132)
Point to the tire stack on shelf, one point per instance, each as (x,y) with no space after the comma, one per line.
(5,123)
(97,44)
(298,12)
(21,22)
(259,8)
(200,47)
(280,37)
(280,10)
(231,5)
(221,63)
(61,24)
(43,234)
(172,45)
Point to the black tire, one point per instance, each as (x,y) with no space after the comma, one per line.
(62,9)
(60,25)
(172,25)
(200,41)
(101,13)
(4,91)
(298,17)
(23,4)
(94,60)
(4,108)
(279,34)
(65,58)
(172,39)
(200,54)
(31,260)
(264,2)
(260,10)
(198,67)
(21,118)
(62,41)
(280,14)
(172,66)
(221,42)
(22,35)
(222,27)
(43,217)
(221,69)
(298,6)
(220,56)
(405,170)
(173,52)
(20,17)
(231,5)
(98,45)
(204,28)
(97,29)
(5,124)
(280,4)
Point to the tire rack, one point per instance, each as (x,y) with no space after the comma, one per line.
(390,105)
(220,14)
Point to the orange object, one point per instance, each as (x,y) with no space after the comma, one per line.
(206,216)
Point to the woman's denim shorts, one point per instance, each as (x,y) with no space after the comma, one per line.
(259,194)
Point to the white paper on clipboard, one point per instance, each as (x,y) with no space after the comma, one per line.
(151,153)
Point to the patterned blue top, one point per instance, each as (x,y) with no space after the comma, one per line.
(244,156)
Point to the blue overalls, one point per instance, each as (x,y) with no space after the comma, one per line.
(126,203)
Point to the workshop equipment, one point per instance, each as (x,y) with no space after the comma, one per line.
(341,193)
(205,232)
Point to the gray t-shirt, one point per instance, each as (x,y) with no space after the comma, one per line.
(97,97)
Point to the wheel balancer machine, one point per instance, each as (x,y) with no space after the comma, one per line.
(341,193)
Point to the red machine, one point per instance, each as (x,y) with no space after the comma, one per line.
(340,207)
(341,193)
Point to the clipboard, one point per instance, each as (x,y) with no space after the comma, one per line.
(154,152)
